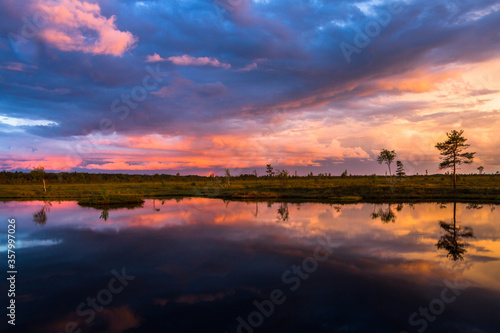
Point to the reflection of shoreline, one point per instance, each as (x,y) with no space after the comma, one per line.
(412,237)
(415,225)
(105,209)
(452,240)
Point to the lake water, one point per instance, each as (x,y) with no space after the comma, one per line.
(202,265)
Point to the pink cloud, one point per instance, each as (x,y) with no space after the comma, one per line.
(247,68)
(61,163)
(155,58)
(229,150)
(18,67)
(71,21)
(187,60)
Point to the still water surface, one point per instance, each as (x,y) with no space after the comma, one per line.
(203,265)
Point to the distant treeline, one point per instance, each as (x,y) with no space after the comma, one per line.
(19,177)
(84,178)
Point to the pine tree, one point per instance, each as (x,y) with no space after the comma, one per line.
(453,152)
(269,170)
(400,170)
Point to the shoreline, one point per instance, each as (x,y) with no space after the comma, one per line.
(474,188)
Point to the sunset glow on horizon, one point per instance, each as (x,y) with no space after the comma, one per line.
(196,87)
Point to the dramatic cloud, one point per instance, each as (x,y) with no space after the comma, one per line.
(185,86)
(74,25)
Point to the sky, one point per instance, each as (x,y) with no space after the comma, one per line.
(197,86)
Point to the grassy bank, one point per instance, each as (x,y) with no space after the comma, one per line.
(484,188)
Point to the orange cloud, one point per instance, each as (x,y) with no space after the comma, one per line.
(417,81)
(236,151)
(69,24)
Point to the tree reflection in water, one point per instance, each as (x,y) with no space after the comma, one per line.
(40,217)
(104,215)
(283,213)
(387,215)
(154,206)
(453,239)
(256,213)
